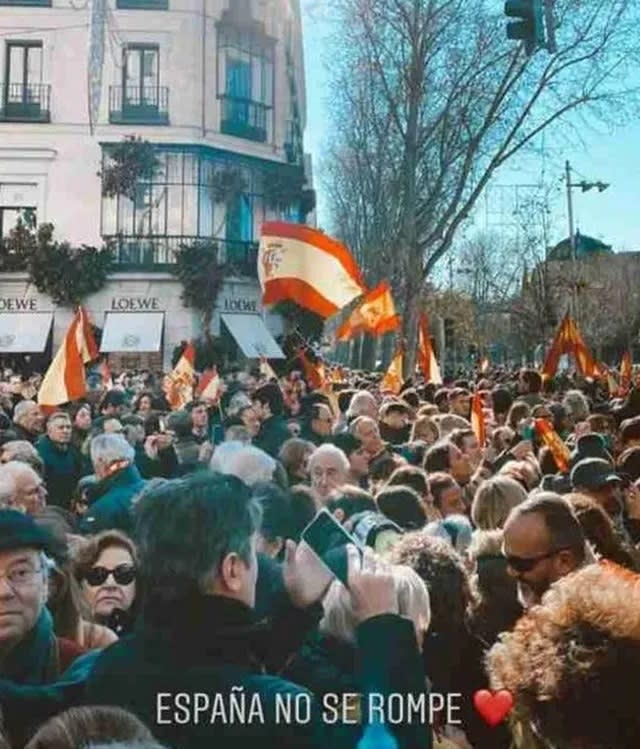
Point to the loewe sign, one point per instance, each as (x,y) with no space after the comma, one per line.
(135,303)
(13,304)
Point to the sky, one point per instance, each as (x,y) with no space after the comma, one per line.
(612,157)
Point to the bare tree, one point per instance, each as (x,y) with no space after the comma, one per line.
(430,99)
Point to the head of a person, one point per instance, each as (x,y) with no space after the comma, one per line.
(24,573)
(106,568)
(111,425)
(576,405)
(455,529)
(268,401)
(197,536)
(109,453)
(628,463)
(199,415)
(59,428)
(403,505)
(27,414)
(24,452)
(529,382)
(441,400)
(356,453)
(340,621)
(468,443)
(328,470)
(598,479)
(366,429)
(249,419)
(362,404)
(599,530)
(525,472)
(395,414)
(350,501)
(543,542)
(276,522)
(424,429)
(502,439)
(344,400)
(630,432)
(112,403)
(82,417)
(321,419)
(414,477)
(573,663)
(133,429)
(250,464)
(518,412)
(460,402)
(493,501)
(447,457)
(446,493)
(294,456)
(81,727)
(144,403)
(22,488)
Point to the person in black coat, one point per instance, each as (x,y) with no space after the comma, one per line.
(198,632)
(268,404)
(64,465)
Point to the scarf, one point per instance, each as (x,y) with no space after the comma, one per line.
(35,659)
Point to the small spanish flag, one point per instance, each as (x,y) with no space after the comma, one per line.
(376,315)
(266,370)
(626,372)
(393,379)
(551,438)
(477,419)
(314,374)
(426,358)
(484,365)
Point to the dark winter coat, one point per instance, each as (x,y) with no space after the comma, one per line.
(272,435)
(63,468)
(111,502)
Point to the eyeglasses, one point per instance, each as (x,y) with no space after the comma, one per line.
(526,564)
(21,577)
(123,574)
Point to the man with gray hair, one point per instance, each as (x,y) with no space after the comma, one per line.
(329,470)
(28,421)
(21,488)
(119,481)
(24,452)
(250,464)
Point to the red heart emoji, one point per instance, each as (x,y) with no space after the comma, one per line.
(493,707)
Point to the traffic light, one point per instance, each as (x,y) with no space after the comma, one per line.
(529,28)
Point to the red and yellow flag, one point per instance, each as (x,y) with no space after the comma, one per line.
(569,340)
(393,379)
(477,419)
(65,379)
(105,372)
(210,385)
(266,370)
(484,365)
(308,267)
(551,438)
(314,374)
(178,384)
(426,359)
(375,314)
(626,372)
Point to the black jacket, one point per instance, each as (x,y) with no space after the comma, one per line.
(62,470)
(272,435)
(112,501)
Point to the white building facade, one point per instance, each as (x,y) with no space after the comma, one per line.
(217,86)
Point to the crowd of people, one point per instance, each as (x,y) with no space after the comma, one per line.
(155,590)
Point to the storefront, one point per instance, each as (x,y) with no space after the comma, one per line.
(26,326)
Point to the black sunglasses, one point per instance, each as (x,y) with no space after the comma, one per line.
(526,564)
(123,574)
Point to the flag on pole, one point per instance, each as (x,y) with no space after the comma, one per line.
(484,365)
(178,384)
(210,385)
(105,373)
(551,438)
(394,377)
(308,267)
(569,340)
(266,370)
(477,419)
(314,374)
(375,314)
(626,372)
(426,359)
(65,379)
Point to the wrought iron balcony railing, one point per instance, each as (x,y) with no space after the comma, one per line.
(139,106)
(25,102)
(244,118)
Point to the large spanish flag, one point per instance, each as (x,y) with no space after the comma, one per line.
(65,379)
(375,314)
(569,340)
(178,384)
(426,358)
(308,267)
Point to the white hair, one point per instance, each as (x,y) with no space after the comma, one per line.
(576,405)
(108,448)
(8,489)
(22,409)
(222,453)
(250,464)
(332,450)
(359,404)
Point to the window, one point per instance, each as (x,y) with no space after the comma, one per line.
(245,83)
(9,218)
(23,70)
(140,76)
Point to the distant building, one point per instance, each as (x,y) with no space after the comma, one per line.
(215,85)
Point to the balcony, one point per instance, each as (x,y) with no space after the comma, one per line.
(159,253)
(139,106)
(25,102)
(293,144)
(244,118)
(142,4)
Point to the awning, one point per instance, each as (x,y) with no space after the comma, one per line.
(24,332)
(132,331)
(252,336)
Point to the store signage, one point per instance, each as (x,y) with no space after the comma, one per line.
(135,304)
(241,305)
(14,304)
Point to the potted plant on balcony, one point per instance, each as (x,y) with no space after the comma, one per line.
(283,189)
(227,183)
(126,164)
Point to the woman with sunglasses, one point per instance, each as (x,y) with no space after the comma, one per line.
(106,569)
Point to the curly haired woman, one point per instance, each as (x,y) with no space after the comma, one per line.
(573,663)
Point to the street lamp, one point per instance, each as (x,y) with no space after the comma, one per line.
(585,186)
